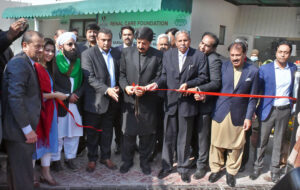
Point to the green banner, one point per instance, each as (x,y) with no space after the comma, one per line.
(158,21)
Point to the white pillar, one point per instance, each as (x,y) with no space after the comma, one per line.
(36,25)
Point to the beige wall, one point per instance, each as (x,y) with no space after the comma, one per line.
(268,21)
(208,16)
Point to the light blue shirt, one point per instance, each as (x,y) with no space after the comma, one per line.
(110,66)
(283,80)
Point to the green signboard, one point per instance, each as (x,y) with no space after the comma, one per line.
(158,21)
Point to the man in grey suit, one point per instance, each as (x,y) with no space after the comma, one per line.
(140,65)
(101,102)
(208,45)
(183,68)
(21,111)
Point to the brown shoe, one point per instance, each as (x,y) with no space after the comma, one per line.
(50,182)
(91,167)
(109,164)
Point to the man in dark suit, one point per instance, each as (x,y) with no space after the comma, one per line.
(183,68)
(208,45)
(91,32)
(101,102)
(276,78)
(16,29)
(21,99)
(140,65)
(232,115)
(126,34)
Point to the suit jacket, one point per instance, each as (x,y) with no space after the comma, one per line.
(62,84)
(240,108)
(194,72)
(130,72)
(21,98)
(97,79)
(267,85)
(214,84)
(119,48)
(82,46)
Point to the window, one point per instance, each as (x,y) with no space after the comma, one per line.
(80,25)
(222,34)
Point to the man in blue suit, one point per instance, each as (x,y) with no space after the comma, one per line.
(232,115)
(276,78)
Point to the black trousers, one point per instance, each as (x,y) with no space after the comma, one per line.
(117,124)
(103,138)
(180,128)
(19,165)
(203,126)
(146,145)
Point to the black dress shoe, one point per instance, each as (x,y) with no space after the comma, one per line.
(275,177)
(242,168)
(146,170)
(125,168)
(71,165)
(255,174)
(199,173)
(230,180)
(164,173)
(185,177)
(214,177)
(56,166)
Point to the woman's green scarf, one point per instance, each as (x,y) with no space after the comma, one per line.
(64,66)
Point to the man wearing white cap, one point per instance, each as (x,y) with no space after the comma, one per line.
(68,78)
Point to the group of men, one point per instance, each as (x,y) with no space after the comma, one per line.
(118,88)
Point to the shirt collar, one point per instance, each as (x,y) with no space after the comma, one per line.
(103,52)
(181,54)
(32,62)
(276,66)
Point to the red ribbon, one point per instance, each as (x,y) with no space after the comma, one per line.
(84,126)
(223,94)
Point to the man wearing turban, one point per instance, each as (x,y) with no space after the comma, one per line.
(68,78)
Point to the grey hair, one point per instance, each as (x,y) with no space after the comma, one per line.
(183,31)
(164,36)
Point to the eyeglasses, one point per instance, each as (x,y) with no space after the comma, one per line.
(71,44)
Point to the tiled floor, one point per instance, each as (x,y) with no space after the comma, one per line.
(104,178)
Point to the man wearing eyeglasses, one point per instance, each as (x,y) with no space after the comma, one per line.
(68,79)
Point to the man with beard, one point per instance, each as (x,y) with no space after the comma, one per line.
(91,35)
(163,42)
(68,78)
(183,68)
(21,99)
(126,34)
(139,65)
